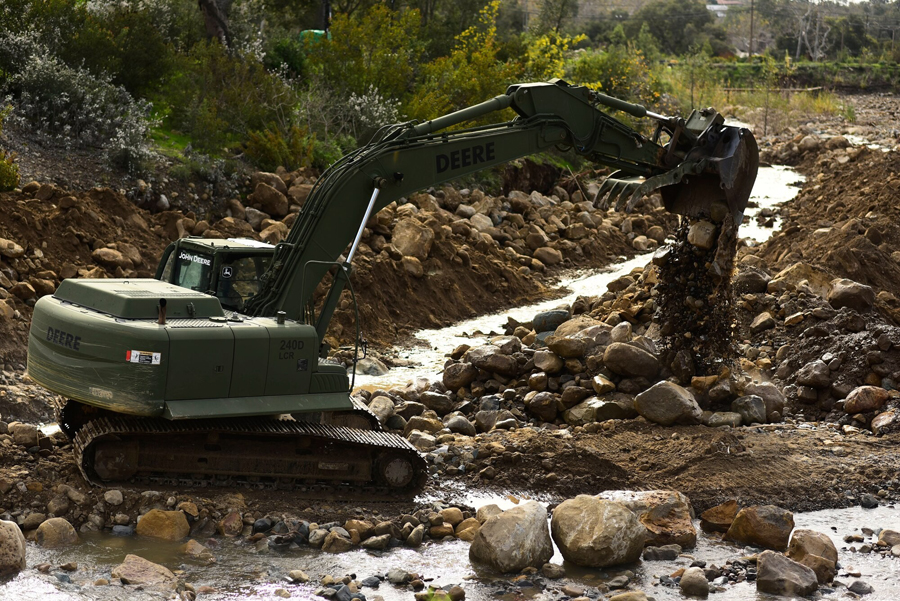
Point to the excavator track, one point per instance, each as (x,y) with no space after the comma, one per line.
(313,459)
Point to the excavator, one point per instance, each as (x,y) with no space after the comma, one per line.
(212,373)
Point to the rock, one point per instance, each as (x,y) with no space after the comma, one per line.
(167,525)
(751,281)
(422,441)
(12,546)
(415,537)
(720,517)
(375,542)
(629,596)
(382,407)
(33,520)
(412,238)
(25,435)
(298,576)
(441,404)
(566,346)
(548,362)
(694,584)
(847,293)
(398,576)
(702,234)
(542,405)
(595,532)
(814,374)
(861,588)
(459,375)
(723,418)
(666,514)
(765,526)
(272,179)
(630,361)
(751,408)
(10,249)
(888,421)
(514,540)
(336,543)
(664,553)
(111,258)
(412,266)
(666,403)
(553,571)
(196,552)
(779,575)
(490,358)
(762,322)
(816,551)
(55,533)
(771,396)
(487,511)
(548,255)
(231,525)
(137,570)
(548,321)
(113,497)
(460,425)
(865,398)
(271,201)
(602,385)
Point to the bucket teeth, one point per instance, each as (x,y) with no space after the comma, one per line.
(617,191)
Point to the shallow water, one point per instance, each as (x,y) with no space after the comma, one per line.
(242,572)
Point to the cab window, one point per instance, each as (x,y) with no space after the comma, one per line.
(192,270)
(239,279)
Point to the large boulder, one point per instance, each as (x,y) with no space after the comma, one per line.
(548,361)
(667,403)
(666,514)
(270,200)
(514,540)
(765,526)
(272,179)
(543,406)
(491,358)
(694,584)
(630,361)
(771,396)
(167,525)
(720,517)
(56,532)
(596,533)
(751,408)
(865,398)
(139,571)
(459,375)
(780,575)
(847,293)
(412,238)
(548,321)
(816,551)
(12,548)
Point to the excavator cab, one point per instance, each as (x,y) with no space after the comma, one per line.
(231,270)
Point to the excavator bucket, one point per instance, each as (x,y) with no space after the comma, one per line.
(716,175)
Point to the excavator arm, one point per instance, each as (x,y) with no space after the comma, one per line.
(703,163)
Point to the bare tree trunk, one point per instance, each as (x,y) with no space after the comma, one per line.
(215,21)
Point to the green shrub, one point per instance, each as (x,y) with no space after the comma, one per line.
(271,148)
(9,171)
(218,97)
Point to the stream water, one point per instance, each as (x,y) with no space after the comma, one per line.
(242,571)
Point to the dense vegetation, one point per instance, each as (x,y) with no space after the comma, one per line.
(252,78)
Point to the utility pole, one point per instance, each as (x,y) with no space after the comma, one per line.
(751,29)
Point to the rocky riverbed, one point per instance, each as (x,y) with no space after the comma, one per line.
(583,399)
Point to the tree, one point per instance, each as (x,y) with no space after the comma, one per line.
(554,13)
(676,24)
(216,21)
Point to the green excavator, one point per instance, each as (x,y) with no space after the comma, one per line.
(212,373)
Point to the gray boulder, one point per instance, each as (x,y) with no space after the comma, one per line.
(630,361)
(667,403)
(597,533)
(514,540)
(779,575)
(12,549)
(847,293)
(751,408)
